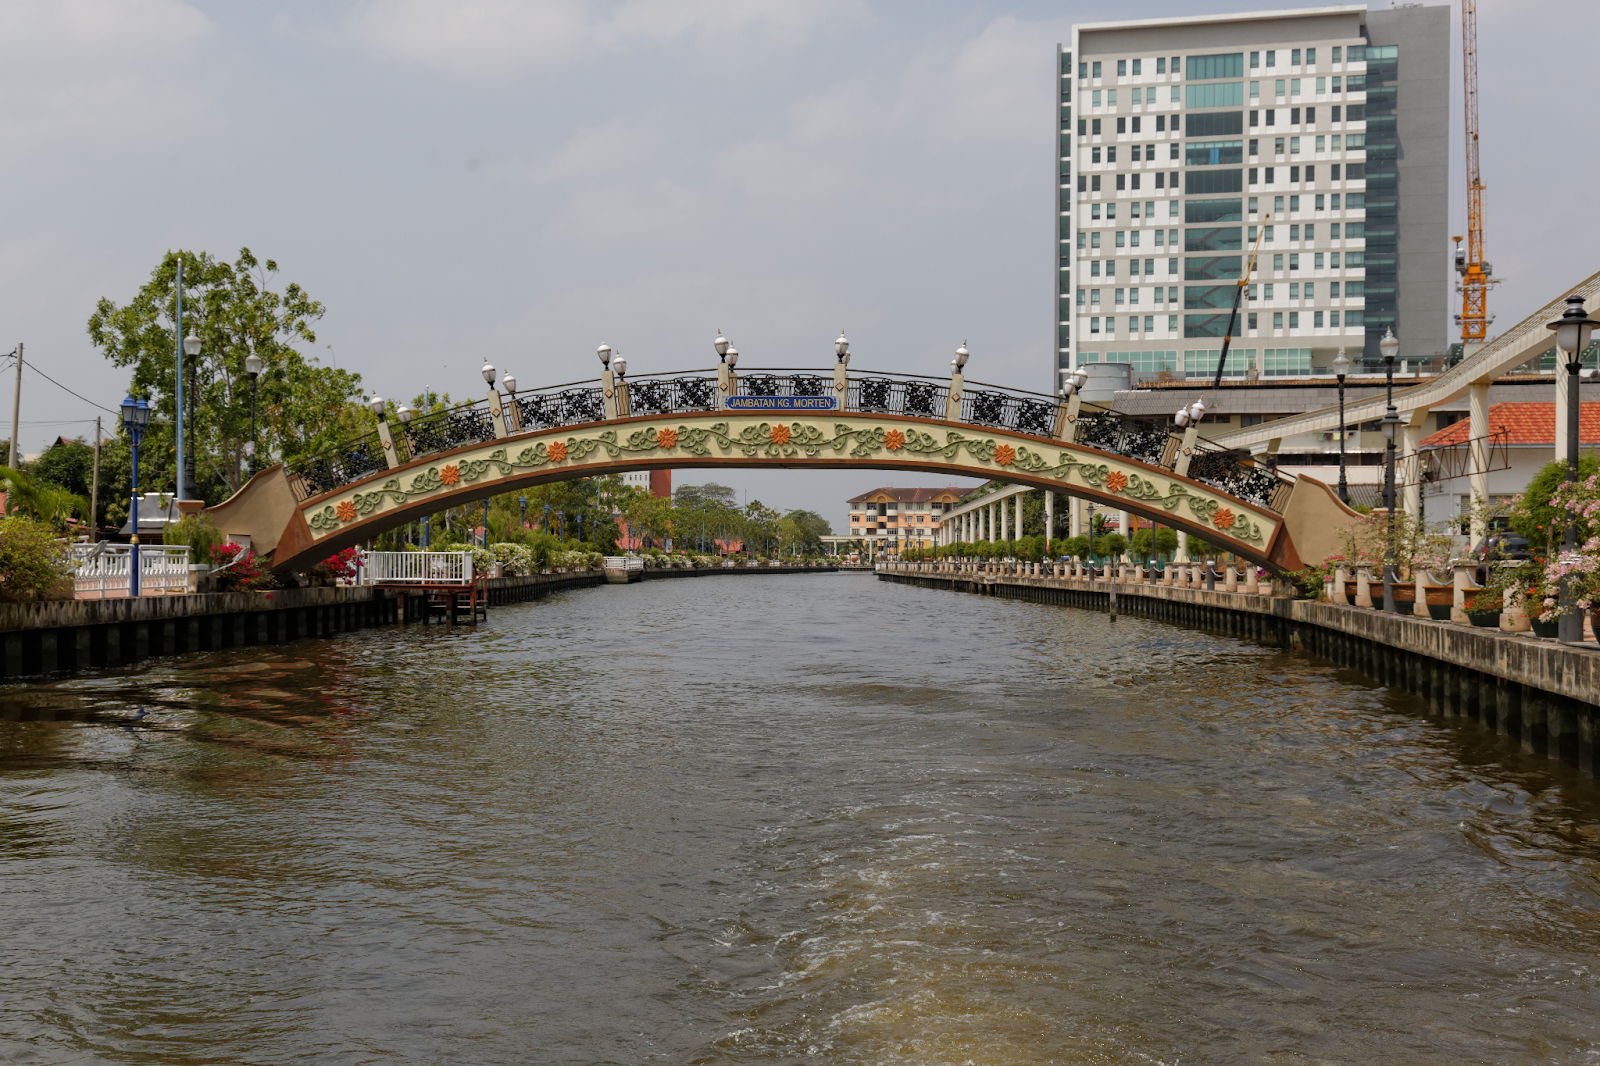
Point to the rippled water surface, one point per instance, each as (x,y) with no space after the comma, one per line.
(772,819)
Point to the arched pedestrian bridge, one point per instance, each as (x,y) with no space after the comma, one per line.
(299,513)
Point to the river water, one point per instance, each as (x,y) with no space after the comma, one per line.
(782,819)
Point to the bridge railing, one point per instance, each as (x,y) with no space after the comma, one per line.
(912,395)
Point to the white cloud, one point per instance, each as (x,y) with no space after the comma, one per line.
(95,72)
(505,38)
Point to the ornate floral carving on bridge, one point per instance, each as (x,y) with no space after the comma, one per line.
(779,440)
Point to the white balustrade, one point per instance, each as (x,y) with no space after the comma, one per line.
(103,570)
(416,568)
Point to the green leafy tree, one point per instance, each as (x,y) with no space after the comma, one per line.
(303,406)
(1532,516)
(49,504)
(33,560)
(810,528)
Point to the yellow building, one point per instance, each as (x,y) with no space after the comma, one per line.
(888,520)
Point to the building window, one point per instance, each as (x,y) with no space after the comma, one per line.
(1122,182)
(1094,128)
(1336,50)
(1136,64)
(1267,176)
(1316,319)
(1094,268)
(1294,172)
(1294,260)
(1111,268)
(1294,233)
(1172,264)
(1111,154)
(1214,67)
(1161,126)
(1277,261)
(1333,231)
(1272,117)
(1172,323)
(1111,98)
(1311,232)
(1094,183)
(1094,325)
(1277,320)
(1122,68)
(1094,239)
(1214,94)
(1294,116)
(1251,320)
(1311,57)
(1161,64)
(1311,115)
(1294,290)
(1277,88)
(1294,319)
(1255,60)
(1335,110)
(1120,296)
(1333,290)
(1294,86)
(1136,124)
(1097,70)
(1149,323)
(1272,60)
(1094,297)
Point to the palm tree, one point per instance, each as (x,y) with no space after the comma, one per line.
(40,500)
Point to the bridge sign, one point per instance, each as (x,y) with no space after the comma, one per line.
(780,403)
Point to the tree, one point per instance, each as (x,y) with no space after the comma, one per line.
(45,503)
(303,406)
(709,493)
(810,528)
(1533,517)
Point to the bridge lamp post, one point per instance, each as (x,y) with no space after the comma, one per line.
(135,419)
(1573,330)
(1341,366)
(523,500)
(1390,347)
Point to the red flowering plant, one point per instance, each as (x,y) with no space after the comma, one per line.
(241,570)
(1577,502)
(335,568)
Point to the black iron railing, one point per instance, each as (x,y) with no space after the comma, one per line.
(911,395)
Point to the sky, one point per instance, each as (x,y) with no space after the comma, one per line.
(521,180)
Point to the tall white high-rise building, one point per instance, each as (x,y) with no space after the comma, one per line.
(1324,131)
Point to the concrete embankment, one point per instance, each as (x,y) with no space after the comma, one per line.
(1538,692)
(60,636)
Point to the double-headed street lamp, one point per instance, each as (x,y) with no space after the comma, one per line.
(1390,424)
(1341,366)
(1573,330)
(253,365)
(135,419)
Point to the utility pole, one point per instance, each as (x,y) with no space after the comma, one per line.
(16,412)
(94,488)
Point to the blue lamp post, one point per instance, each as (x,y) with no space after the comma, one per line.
(547,518)
(523,500)
(135,419)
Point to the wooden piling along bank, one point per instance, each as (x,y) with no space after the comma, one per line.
(1538,692)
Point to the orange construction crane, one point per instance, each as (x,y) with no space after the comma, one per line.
(1474,270)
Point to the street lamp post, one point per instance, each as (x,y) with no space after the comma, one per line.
(523,501)
(191,348)
(1573,330)
(1341,366)
(1389,346)
(135,419)
(252,366)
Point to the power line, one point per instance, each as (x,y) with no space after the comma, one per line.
(63,388)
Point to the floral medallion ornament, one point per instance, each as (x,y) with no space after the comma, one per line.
(780,434)
(557,451)
(1223,519)
(451,474)
(346,511)
(1005,455)
(894,440)
(1116,481)
(666,438)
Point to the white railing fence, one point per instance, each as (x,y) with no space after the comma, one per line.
(624,562)
(103,570)
(416,568)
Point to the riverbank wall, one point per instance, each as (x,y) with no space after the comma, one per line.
(45,637)
(1539,692)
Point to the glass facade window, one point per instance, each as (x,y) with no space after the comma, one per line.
(1213,94)
(1214,67)
(1286,362)
(1213,153)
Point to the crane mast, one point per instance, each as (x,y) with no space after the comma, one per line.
(1475,272)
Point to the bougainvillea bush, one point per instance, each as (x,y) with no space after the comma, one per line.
(244,573)
(1581,568)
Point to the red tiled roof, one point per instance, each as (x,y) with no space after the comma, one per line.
(1524,423)
(911,495)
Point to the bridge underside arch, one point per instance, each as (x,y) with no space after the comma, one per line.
(300,533)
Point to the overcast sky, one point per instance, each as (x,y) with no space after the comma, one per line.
(523,179)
